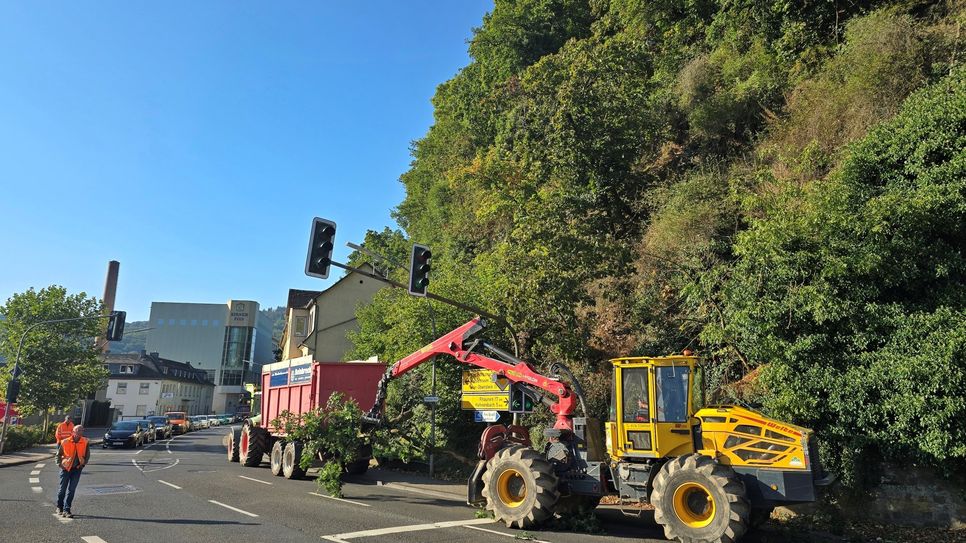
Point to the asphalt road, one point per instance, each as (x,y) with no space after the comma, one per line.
(184,490)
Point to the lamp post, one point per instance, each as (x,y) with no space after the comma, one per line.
(13,387)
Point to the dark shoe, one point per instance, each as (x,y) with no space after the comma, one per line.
(68,514)
(60,511)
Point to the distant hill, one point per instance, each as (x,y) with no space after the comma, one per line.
(133,341)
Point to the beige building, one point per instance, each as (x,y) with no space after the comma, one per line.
(316,323)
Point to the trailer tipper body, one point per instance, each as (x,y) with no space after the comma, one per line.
(298,385)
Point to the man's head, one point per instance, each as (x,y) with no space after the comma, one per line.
(78,431)
(66,418)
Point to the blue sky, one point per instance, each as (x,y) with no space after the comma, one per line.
(194,141)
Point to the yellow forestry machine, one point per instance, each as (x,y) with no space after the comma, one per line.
(711,473)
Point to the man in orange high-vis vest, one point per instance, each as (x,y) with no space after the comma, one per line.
(64,429)
(72,455)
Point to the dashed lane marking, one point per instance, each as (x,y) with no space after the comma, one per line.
(502,533)
(35,472)
(339,499)
(40,466)
(93,539)
(34,480)
(237,510)
(169,484)
(37,489)
(341,538)
(256,480)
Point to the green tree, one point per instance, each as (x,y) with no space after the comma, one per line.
(59,362)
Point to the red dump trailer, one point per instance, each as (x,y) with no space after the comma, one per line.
(299,385)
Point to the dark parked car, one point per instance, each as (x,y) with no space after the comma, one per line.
(126,433)
(147,429)
(162,428)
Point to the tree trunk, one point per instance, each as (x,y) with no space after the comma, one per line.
(46,421)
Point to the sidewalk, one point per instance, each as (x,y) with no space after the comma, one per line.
(414,482)
(43,452)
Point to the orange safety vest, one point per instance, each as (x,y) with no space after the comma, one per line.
(64,430)
(73,452)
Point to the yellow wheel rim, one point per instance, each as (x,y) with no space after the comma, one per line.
(694,505)
(511,487)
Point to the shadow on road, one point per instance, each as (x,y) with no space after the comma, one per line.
(170,521)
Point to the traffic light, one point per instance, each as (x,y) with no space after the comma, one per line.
(115,326)
(321,242)
(419,267)
(13,390)
(521,400)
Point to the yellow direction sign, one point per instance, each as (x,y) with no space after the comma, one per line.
(486,402)
(483,381)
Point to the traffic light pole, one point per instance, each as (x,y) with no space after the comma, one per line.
(437,297)
(16,370)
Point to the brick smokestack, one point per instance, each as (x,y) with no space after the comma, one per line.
(110,291)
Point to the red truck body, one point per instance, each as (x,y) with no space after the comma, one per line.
(301,385)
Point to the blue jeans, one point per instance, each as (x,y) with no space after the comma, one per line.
(68,484)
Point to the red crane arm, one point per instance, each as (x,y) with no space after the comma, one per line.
(454,343)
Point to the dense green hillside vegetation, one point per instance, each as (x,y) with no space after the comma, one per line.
(779,185)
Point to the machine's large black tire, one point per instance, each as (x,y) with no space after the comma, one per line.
(699,500)
(759,516)
(520,487)
(291,460)
(253,446)
(234,435)
(275,459)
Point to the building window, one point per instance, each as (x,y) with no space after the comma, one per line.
(301,324)
(231,377)
(160,322)
(194,322)
(141,411)
(238,346)
(184,322)
(145,388)
(127,369)
(204,322)
(170,322)
(122,388)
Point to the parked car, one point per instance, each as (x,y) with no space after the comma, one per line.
(179,421)
(199,421)
(147,430)
(126,433)
(162,427)
(213,420)
(226,418)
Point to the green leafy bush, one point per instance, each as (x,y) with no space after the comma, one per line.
(23,437)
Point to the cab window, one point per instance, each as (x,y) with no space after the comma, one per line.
(634,385)
(672,394)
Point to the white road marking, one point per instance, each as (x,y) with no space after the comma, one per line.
(502,533)
(135,462)
(93,539)
(340,499)
(35,472)
(37,489)
(256,480)
(441,495)
(233,508)
(339,538)
(34,480)
(39,466)
(62,520)
(169,484)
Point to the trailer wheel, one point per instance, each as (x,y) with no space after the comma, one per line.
(520,487)
(231,441)
(253,445)
(361,464)
(291,457)
(698,499)
(275,460)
